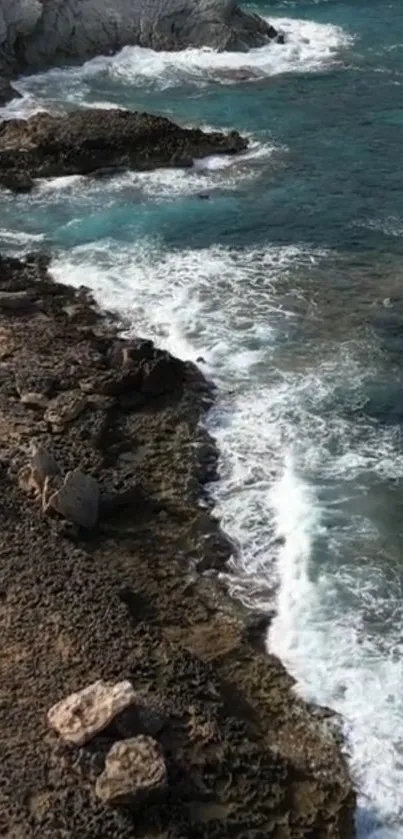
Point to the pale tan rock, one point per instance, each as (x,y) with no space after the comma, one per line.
(42,467)
(33,399)
(65,408)
(80,716)
(77,499)
(135,772)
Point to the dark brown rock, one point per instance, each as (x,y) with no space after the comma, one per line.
(83,141)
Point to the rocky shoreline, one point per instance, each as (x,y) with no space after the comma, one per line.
(134,598)
(94,141)
(39,34)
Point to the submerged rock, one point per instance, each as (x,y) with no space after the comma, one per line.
(79,717)
(83,141)
(135,773)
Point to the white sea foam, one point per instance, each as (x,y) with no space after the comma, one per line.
(309,47)
(291,467)
(390,226)
(334,659)
(19,240)
(222,172)
(24,107)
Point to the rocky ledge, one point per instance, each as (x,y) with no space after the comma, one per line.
(95,141)
(136,698)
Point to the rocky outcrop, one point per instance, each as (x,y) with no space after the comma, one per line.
(84,142)
(82,715)
(129,602)
(35,34)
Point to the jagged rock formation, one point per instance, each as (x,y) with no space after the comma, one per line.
(35,34)
(84,141)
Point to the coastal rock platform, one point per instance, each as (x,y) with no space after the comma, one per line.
(130,600)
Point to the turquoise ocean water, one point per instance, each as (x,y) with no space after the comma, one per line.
(289,283)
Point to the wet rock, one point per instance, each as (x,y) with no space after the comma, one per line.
(78,143)
(82,715)
(124,355)
(135,773)
(7,91)
(65,408)
(77,499)
(16,181)
(161,375)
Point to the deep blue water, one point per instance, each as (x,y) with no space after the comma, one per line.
(288,281)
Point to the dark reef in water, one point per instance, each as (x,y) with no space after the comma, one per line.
(128,599)
(94,141)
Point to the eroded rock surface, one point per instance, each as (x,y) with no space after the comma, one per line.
(135,773)
(83,142)
(127,601)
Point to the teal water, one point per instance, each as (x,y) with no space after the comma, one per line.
(288,282)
